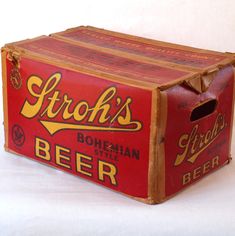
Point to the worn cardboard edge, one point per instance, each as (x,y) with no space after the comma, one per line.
(197,75)
(25,41)
(157,157)
(85,70)
(4,89)
(226,62)
(128,55)
(152,169)
(162,122)
(139,199)
(71,29)
(232,116)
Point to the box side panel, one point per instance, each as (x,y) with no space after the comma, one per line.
(197,146)
(160,51)
(84,125)
(4,87)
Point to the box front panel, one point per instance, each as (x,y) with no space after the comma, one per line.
(198,128)
(88,126)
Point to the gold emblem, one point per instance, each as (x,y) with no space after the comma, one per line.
(15,78)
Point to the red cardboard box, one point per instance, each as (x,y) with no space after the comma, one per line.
(141,117)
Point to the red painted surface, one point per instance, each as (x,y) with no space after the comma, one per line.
(132,174)
(103,61)
(159,52)
(128,106)
(180,102)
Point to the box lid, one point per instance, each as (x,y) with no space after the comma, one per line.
(124,57)
(193,59)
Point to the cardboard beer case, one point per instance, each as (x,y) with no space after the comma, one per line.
(139,116)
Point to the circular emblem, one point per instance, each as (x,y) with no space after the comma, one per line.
(15,78)
(18,136)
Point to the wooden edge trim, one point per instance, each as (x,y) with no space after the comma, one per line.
(157,148)
(24,41)
(5,105)
(70,30)
(152,169)
(226,62)
(162,122)
(178,81)
(74,67)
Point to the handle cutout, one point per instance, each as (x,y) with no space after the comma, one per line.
(203,110)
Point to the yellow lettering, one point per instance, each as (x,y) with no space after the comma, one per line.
(30,110)
(102,105)
(186,178)
(197,172)
(200,170)
(59,156)
(206,167)
(111,172)
(195,143)
(215,161)
(207,137)
(80,163)
(42,149)
(181,157)
(45,96)
(77,111)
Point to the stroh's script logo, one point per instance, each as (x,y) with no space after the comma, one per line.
(195,143)
(50,103)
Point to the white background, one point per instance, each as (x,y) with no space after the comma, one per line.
(38,200)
